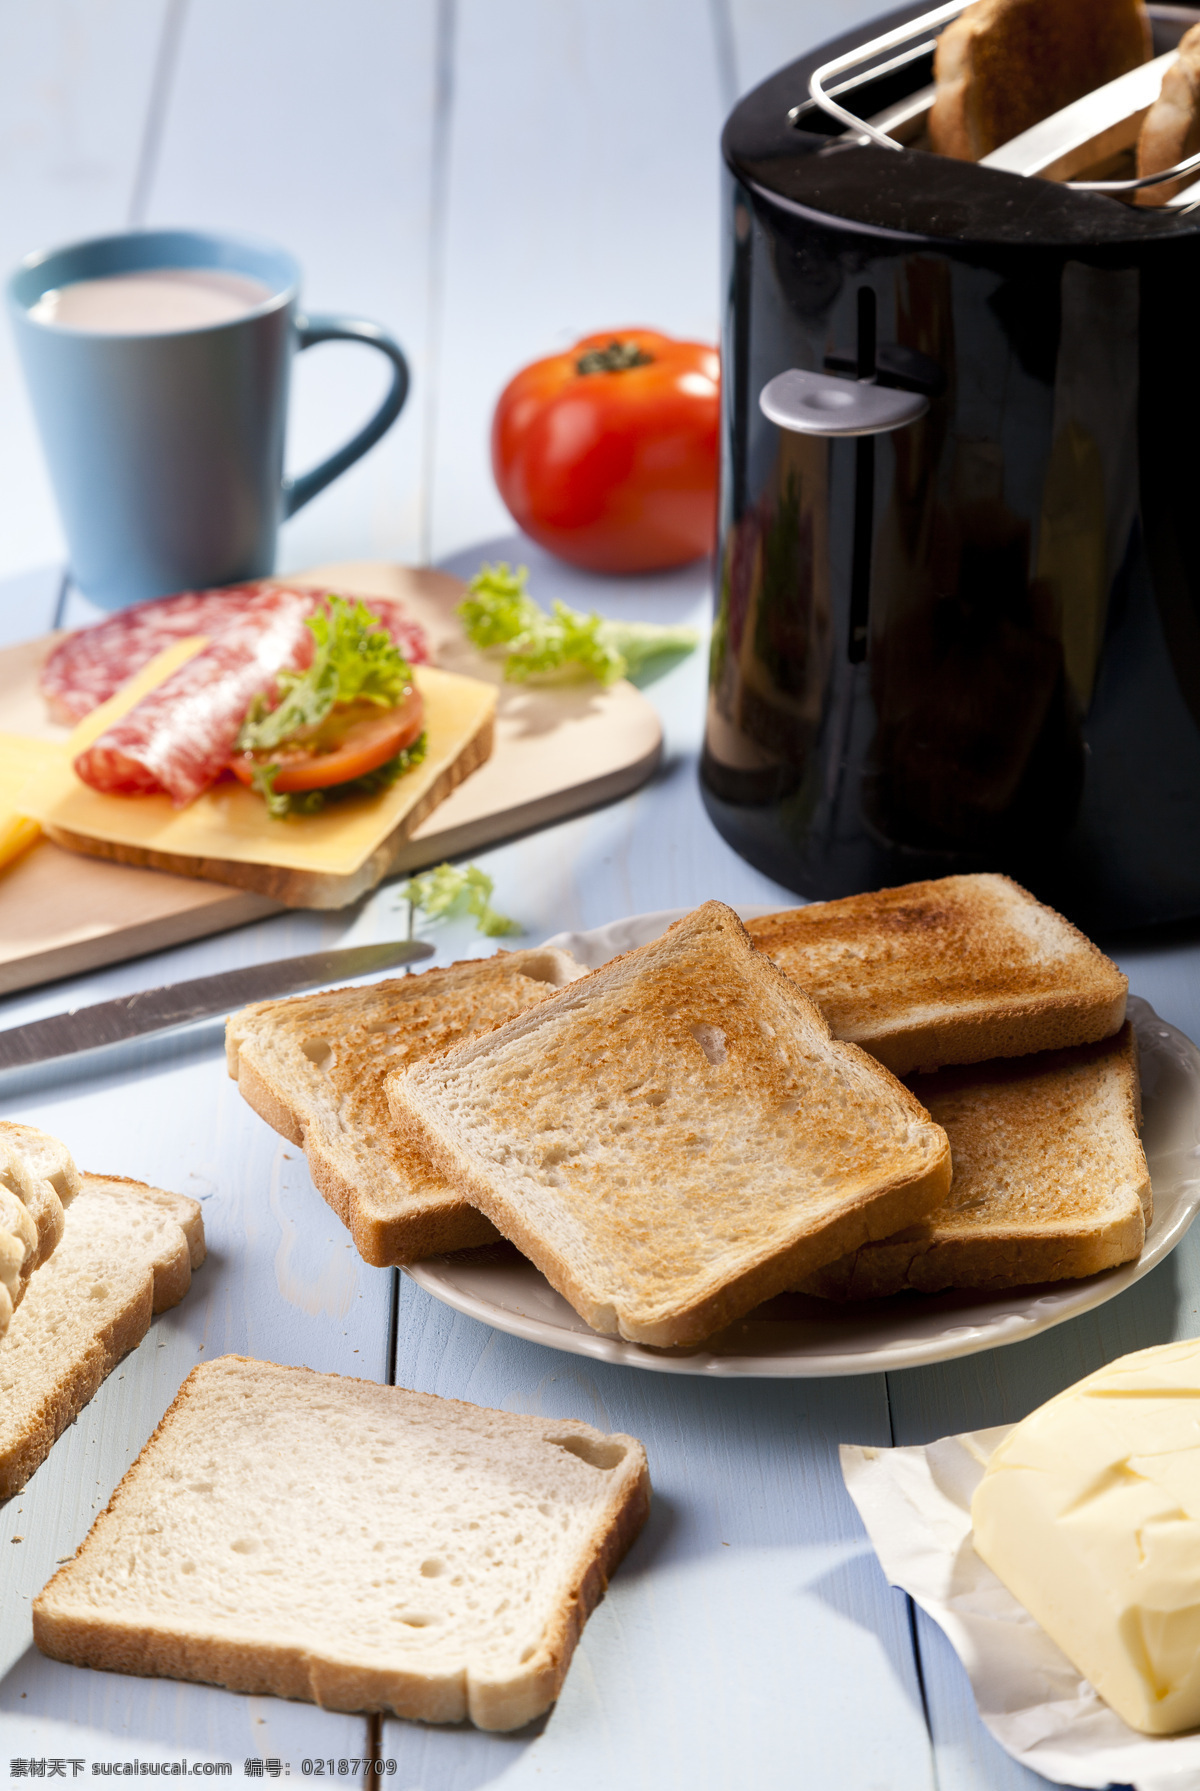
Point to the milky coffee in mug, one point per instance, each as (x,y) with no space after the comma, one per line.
(147,304)
(158,362)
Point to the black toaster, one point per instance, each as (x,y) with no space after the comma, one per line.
(957,618)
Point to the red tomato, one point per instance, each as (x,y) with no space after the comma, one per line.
(351,742)
(607,455)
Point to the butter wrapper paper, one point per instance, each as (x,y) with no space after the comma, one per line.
(916,1506)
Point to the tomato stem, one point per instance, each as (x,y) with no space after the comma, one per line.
(613,359)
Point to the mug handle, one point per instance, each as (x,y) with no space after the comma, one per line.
(332,328)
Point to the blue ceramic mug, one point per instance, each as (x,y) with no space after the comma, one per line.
(165,449)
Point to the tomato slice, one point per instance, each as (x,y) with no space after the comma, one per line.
(350,742)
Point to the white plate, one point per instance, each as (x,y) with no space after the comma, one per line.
(794,1336)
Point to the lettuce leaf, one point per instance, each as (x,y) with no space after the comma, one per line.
(355,661)
(448,891)
(498,612)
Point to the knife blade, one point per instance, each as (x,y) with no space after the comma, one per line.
(153,1010)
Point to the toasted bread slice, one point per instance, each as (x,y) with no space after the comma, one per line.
(1050,1179)
(38,1179)
(127,1252)
(677,1136)
(418,1555)
(1003,65)
(952,971)
(313,1068)
(1171,128)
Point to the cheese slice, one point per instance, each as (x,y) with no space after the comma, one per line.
(24,761)
(20,759)
(1090,1513)
(230,822)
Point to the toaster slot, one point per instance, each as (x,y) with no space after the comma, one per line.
(864,493)
(886,93)
(1089,145)
(1088,134)
(906,122)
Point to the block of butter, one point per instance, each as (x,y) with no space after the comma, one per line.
(1090,1513)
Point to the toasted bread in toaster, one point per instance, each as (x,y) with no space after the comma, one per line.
(1171,128)
(956,970)
(676,1136)
(1050,1179)
(1005,64)
(313,1068)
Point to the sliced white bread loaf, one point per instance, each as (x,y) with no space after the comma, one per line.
(313,1068)
(38,1179)
(127,1252)
(1050,1179)
(355,1545)
(956,970)
(676,1137)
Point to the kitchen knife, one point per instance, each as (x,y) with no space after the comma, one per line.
(152,1010)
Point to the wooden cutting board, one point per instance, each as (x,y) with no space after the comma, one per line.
(557,752)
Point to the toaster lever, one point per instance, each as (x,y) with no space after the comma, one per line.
(823,404)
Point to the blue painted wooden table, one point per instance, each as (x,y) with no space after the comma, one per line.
(490,178)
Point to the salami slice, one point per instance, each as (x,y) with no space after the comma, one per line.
(89,666)
(180,737)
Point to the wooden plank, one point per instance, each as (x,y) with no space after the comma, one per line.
(1002,1386)
(745,1638)
(675,1660)
(77,88)
(282,1282)
(748,1628)
(581,195)
(312,124)
(61,914)
(276,112)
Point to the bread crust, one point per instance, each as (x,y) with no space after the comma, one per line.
(357,1175)
(890,1210)
(1006,1222)
(952,970)
(389,1240)
(1171,128)
(38,1179)
(68,1627)
(1004,65)
(674,1319)
(152,1284)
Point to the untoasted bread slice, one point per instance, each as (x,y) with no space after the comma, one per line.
(127,1252)
(1004,65)
(416,1554)
(313,1068)
(1050,1179)
(38,1179)
(1171,128)
(952,971)
(677,1136)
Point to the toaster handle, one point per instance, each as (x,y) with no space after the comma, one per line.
(824,404)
